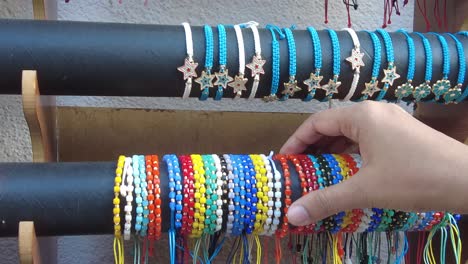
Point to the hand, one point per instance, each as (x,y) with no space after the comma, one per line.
(406,165)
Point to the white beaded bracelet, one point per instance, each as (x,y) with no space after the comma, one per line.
(231,194)
(126,192)
(219,193)
(270,204)
(356,62)
(138,198)
(278,186)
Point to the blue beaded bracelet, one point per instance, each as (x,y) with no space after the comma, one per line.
(290,88)
(407,88)
(275,62)
(168,159)
(424,89)
(313,83)
(144,195)
(390,74)
(373,85)
(206,78)
(331,87)
(442,86)
(137,190)
(222,77)
(251,194)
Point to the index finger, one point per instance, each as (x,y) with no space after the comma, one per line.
(331,122)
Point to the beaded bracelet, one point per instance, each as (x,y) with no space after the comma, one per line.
(356,62)
(318,172)
(225,171)
(238,85)
(138,199)
(126,192)
(373,86)
(456,92)
(275,63)
(407,88)
(222,77)
(269,204)
(189,196)
(262,196)
(436,219)
(423,90)
(398,220)
(200,200)
(206,78)
(251,194)
(151,196)
(219,193)
(331,87)
(386,220)
(329,222)
(157,197)
(357,214)
(256,66)
(144,196)
(240,192)
(282,231)
(440,87)
(313,83)
(309,172)
(231,195)
(303,182)
(345,174)
(277,194)
(336,177)
(190,66)
(390,74)
(291,86)
(118,243)
(211,197)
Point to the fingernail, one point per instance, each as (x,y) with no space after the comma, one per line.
(297,215)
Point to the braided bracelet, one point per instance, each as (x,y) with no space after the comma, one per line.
(222,77)
(240,192)
(211,197)
(423,90)
(373,86)
(356,62)
(189,196)
(290,88)
(219,193)
(206,78)
(256,66)
(313,83)
(251,194)
(440,87)
(282,231)
(231,195)
(275,63)
(331,87)
(407,88)
(454,94)
(190,66)
(238,85)
(390,74)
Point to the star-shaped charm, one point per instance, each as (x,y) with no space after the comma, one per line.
(440,88)
(290,88)
(270,98)
(356,59)
(256,65)
(421,91)
(205,80)
(313,82)
(188,69)
(331,87)
(452,94)
(238,84)
(404,90)
(371,88)
(223,78)
(390,75)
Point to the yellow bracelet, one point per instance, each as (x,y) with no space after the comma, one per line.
(200,199)
(345,172)
(262,193)
(118,242)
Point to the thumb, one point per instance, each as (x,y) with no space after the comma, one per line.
(320,204)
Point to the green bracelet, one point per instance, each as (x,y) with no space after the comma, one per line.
(386,220)
(211,197)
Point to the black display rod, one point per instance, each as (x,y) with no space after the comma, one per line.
(110,59)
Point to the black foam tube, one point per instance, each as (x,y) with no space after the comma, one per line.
(110,59)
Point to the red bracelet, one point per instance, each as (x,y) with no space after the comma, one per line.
(357,213)
(436,218)
(309,170)
(283,230)
(150,189)
(189,196)
(157,197)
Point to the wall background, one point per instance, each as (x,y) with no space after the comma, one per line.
(14,136)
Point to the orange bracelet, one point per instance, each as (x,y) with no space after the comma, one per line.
(155,218)
(283,230)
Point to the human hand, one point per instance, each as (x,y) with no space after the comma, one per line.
(406,165)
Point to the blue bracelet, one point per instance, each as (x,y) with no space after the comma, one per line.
(390,74)
(318,172)
(373,85)
(442,86)
(336,178)
(463,33)
(172,206)
(407,88)
(222,77)
(313,83)
(240,199)
(137,190)
(331,87)
(424,89)
(206,78)
(251,194)
(144,195)
(376,218)
(454,94)
(275,62)
(291,86)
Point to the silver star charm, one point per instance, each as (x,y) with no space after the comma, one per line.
(256,65)
(390,76)
(290,88)
(371,88)
(313,82)
(238,84)
(223,78)
(188,69)
(331,87)
(270,98)
(205,80)
(356,59)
